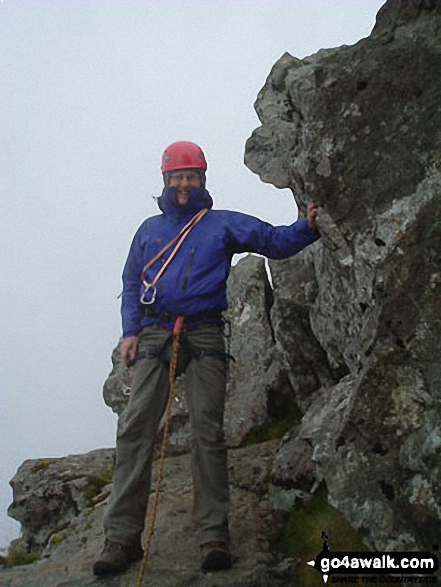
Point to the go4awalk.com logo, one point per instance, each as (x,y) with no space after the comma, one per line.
(412,567)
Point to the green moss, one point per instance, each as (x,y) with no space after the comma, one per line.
(277,428)
(42,465)
(18,556)
(58,539)
(303,531)
(95,484)
(302,536)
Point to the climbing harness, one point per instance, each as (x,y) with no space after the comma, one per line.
(177,331)
(193,353)
(179,239)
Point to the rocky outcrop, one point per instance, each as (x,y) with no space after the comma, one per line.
(49,494)
(349,333)
(258,390)
(71,548)
(357,131)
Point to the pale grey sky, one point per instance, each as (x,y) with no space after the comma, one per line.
(91,92)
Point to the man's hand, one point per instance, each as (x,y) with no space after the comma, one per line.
(311,215)
(129,350)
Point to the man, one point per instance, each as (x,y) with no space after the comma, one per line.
(187,279)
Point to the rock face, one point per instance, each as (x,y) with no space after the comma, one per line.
(71,549)
(349,332)
(49,494)
(357,131)
(258,389)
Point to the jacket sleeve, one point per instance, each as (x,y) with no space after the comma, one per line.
(132,310)
(249,234)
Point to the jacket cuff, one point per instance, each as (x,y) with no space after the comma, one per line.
(130,333)
(314,233)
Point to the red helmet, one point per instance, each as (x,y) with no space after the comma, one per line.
(183,155)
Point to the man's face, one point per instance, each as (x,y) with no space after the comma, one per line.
(184,180)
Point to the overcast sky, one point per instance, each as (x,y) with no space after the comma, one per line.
(91,92)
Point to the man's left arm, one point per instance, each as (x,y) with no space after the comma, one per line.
(249,234)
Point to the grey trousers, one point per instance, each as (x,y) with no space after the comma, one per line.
(205,389)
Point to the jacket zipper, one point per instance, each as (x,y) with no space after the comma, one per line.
(188,269)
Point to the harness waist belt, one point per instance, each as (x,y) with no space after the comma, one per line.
(169,317)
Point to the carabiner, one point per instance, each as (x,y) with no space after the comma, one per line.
(152,299)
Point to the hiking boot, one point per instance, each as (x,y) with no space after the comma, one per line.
(215,557)
(116,557)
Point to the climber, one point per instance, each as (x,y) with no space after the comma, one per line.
(188,282)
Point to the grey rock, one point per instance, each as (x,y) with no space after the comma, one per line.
(398,12)
(357,131)
(49,494)
(116,389)
(257,386)
(174,556)
(302,356)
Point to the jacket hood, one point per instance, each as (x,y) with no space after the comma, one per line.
(198,199)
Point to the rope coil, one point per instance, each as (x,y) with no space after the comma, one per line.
(179,238)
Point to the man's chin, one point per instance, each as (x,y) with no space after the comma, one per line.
(182,199)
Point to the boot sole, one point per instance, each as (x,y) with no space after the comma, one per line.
(101,569)
(217,560)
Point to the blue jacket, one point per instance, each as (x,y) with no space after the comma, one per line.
(195,280)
